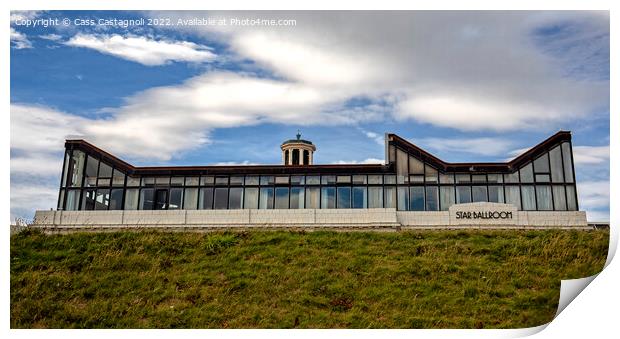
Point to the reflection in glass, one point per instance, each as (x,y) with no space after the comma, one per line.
(416,198)
(281,197)
(328,197)
(250,199)
(344,197)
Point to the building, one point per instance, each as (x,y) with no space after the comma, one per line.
(413,188)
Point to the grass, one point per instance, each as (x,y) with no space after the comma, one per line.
(424,279)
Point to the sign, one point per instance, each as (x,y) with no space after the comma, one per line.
(484,215)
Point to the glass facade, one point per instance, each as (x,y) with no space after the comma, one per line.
(409,182)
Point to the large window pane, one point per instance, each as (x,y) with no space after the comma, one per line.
(542,178)
(557,173)
(236,181)
(559,198)
(431,175)
(463,178)
(65,170)
(432,198)
(496,194)
(313,180)
(251,181)
(281,197)
(266,180)
(389,179)
(375,197)
(147,196)
(359,180)
(73,200)
(389,197)
(235,199)
(446,196)
(446,178)
(543,198)
(92,166)
(282,180)
(527,173)
(88,200)
(328,179)
(192,181)
(416,166)
(343,179)
(402,174)
(221,181)
(344,197)
(105,174)
(328,197)
(479,194)
(207,180)
(133,181)
(416,198)
(116,199)
(463,194)
(541,164)
(250,200)
(131,199)
(403,198)
(568,163)
(205,199)
(495,178)
(512,177)
(190,201)
(297,180)
(513,196)
(571,198)
(479,178)
(528,198)
(312,197)
(61,200)
(118,179)
(297,197)
(266,198)
(221,198)
(176,198)
(359,197)
(102,200)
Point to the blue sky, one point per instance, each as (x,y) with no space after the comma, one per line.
(467,86)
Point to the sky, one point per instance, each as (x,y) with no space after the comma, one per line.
(216,88)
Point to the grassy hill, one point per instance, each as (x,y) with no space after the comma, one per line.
(423,279)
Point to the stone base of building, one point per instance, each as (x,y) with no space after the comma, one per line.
(462,216)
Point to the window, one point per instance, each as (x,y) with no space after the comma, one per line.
(266,198)
(542,178)
(116,199)
(463,194)
(512,177)
(251,181)
(297,197)
(389,179)
(75,168)
(192,181)
(65,170)
(559,197)
(306,157)
(541,164)
(432,198)
(446,197)
(479,178)
(431,175)
(220,181)
(513,196)
(92,165)
(555,156)
(148,181)
(177,181)
(527,174)
(402,174)
(343,179)
(416,195)
(205,199)
(312,197)
(543,198)
(250,200)
(88,200)
(416,178)
(281,180)
(221,198)
(131,199)
(73,200)
(375,179)
(102,200)
(328,197)
(328,179)
(282,197)
(446,178)
(176,198)
(495,178)
(161,199)
(235,199)
(313,180)
(297,180)
(479,194)
(61,200)
(496,194)
(389,197)
(133,182)
(359,180)
(462,178)
(403,198)
(237,181)
(105,174)
(266,180)
(190,201)
(375,197)
(416,166)
(344,197)
(295,156)
(118,179)
(359,197)
(528,198)
(207,180)
(568,162)
(571,198)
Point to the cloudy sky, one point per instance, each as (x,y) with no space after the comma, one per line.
(467,86)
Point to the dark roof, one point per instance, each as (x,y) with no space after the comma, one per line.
(510,166)
(291,141)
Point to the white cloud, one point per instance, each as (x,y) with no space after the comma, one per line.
(19,40)
(143,50)
(51,37)
(586,155)
(23,15)
(482,146)
(234,163)
(376,137)
(593,195)
(29,197)
(365,161)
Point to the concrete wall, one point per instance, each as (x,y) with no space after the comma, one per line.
(314,218)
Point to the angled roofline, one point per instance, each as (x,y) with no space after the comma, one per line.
(509,166)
